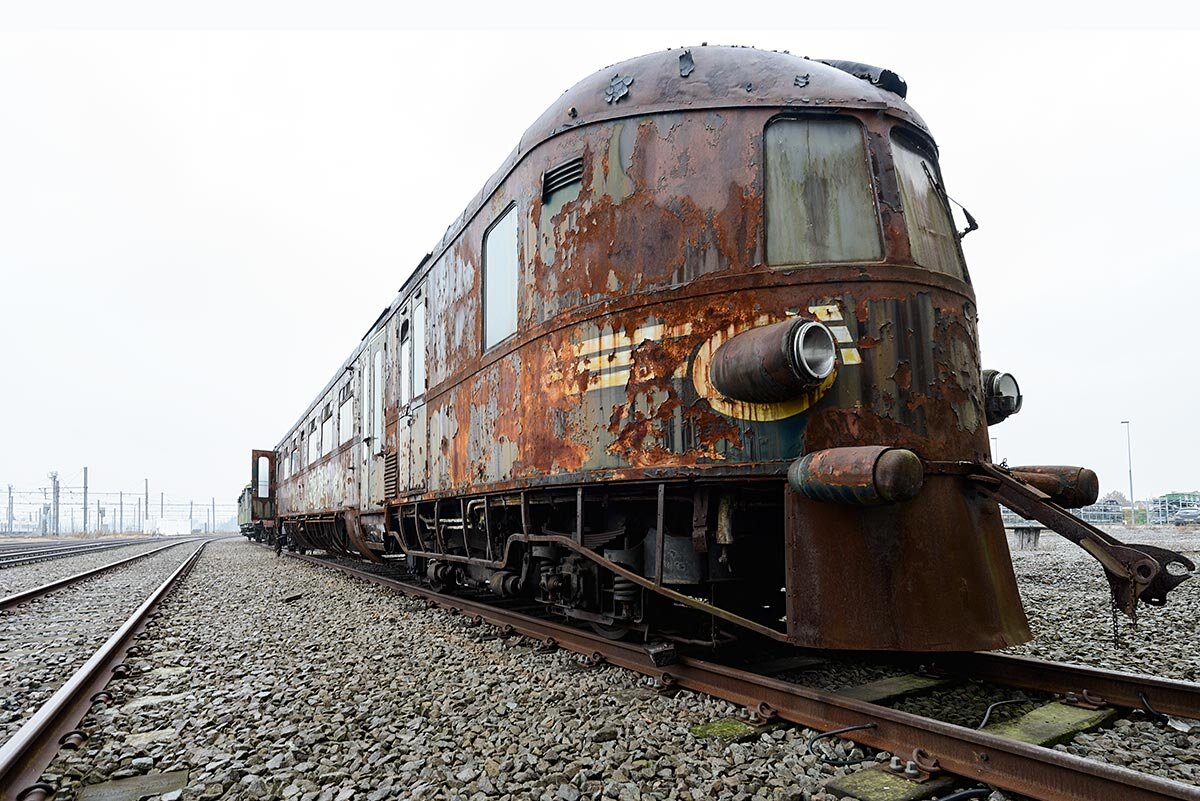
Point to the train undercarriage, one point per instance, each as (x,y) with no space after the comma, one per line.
(689,562)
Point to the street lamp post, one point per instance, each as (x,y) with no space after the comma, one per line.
(1129,453)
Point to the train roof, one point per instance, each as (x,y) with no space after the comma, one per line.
(699,78)
(718,77)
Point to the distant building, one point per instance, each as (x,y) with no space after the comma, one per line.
(1162,509)
(1104,513)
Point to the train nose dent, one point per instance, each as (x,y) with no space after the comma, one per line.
(863,476)
(774,363)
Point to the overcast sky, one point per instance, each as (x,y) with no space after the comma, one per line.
(197,226)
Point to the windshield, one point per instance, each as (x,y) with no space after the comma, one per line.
(926,210)
(819,195)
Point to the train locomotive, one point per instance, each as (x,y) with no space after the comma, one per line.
(699,362)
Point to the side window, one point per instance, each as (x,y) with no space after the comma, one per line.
(405,364)
(926,212)
(314,442)
(327,429)
(345,414)
(418,338)
(819,196)
(500,279)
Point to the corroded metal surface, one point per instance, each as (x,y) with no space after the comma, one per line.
(1069,487)
(641,243)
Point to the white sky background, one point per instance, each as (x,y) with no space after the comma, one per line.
(197,226)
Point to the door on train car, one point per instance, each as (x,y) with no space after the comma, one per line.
(412,397)
(262,483)
(374,370)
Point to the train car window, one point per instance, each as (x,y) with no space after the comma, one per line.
(500,279)
(926,212)
(377,402)
(405,364)
(264,477)
(327,430)
(314,442)
(345,415)
(819,196)
(418,372)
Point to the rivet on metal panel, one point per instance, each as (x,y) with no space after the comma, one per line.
(801,80)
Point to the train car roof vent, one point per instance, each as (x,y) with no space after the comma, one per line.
(562,175)
(877,76)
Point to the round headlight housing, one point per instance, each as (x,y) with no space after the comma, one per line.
(1001,396)
(814,351)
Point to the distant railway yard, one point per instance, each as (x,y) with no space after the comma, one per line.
(249,682)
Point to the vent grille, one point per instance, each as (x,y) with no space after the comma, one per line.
(563,175)
(391,475)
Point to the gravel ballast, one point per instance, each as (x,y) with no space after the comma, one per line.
(353,692)
(26,577)
(44,640)
(1067,600)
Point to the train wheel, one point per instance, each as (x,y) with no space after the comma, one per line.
(610,632)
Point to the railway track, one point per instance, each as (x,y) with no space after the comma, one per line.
(28,556)
(981,756)
(18,598)
(31,747)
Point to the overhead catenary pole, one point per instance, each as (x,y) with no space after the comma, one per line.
(214,515)
(137,525)
(54,503)
(191,525)
(10,510)
(121,515)
(147,504)
(1129,453)
(85,505)
(160,504)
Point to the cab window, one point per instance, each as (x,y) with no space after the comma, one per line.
(931,232)
(820,201)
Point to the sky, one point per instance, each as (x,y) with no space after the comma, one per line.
(204,207)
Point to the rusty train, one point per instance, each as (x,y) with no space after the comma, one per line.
(698,362)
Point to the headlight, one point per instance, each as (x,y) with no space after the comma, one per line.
(774,363)
(814,351)
(1001,396)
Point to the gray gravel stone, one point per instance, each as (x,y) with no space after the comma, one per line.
(352,692)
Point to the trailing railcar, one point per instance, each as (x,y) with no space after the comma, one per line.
(701,358)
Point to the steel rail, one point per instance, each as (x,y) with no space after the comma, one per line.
(34,548)
(1168,696)
(32,748)
(1030,770)
(32,557)
(16,599)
